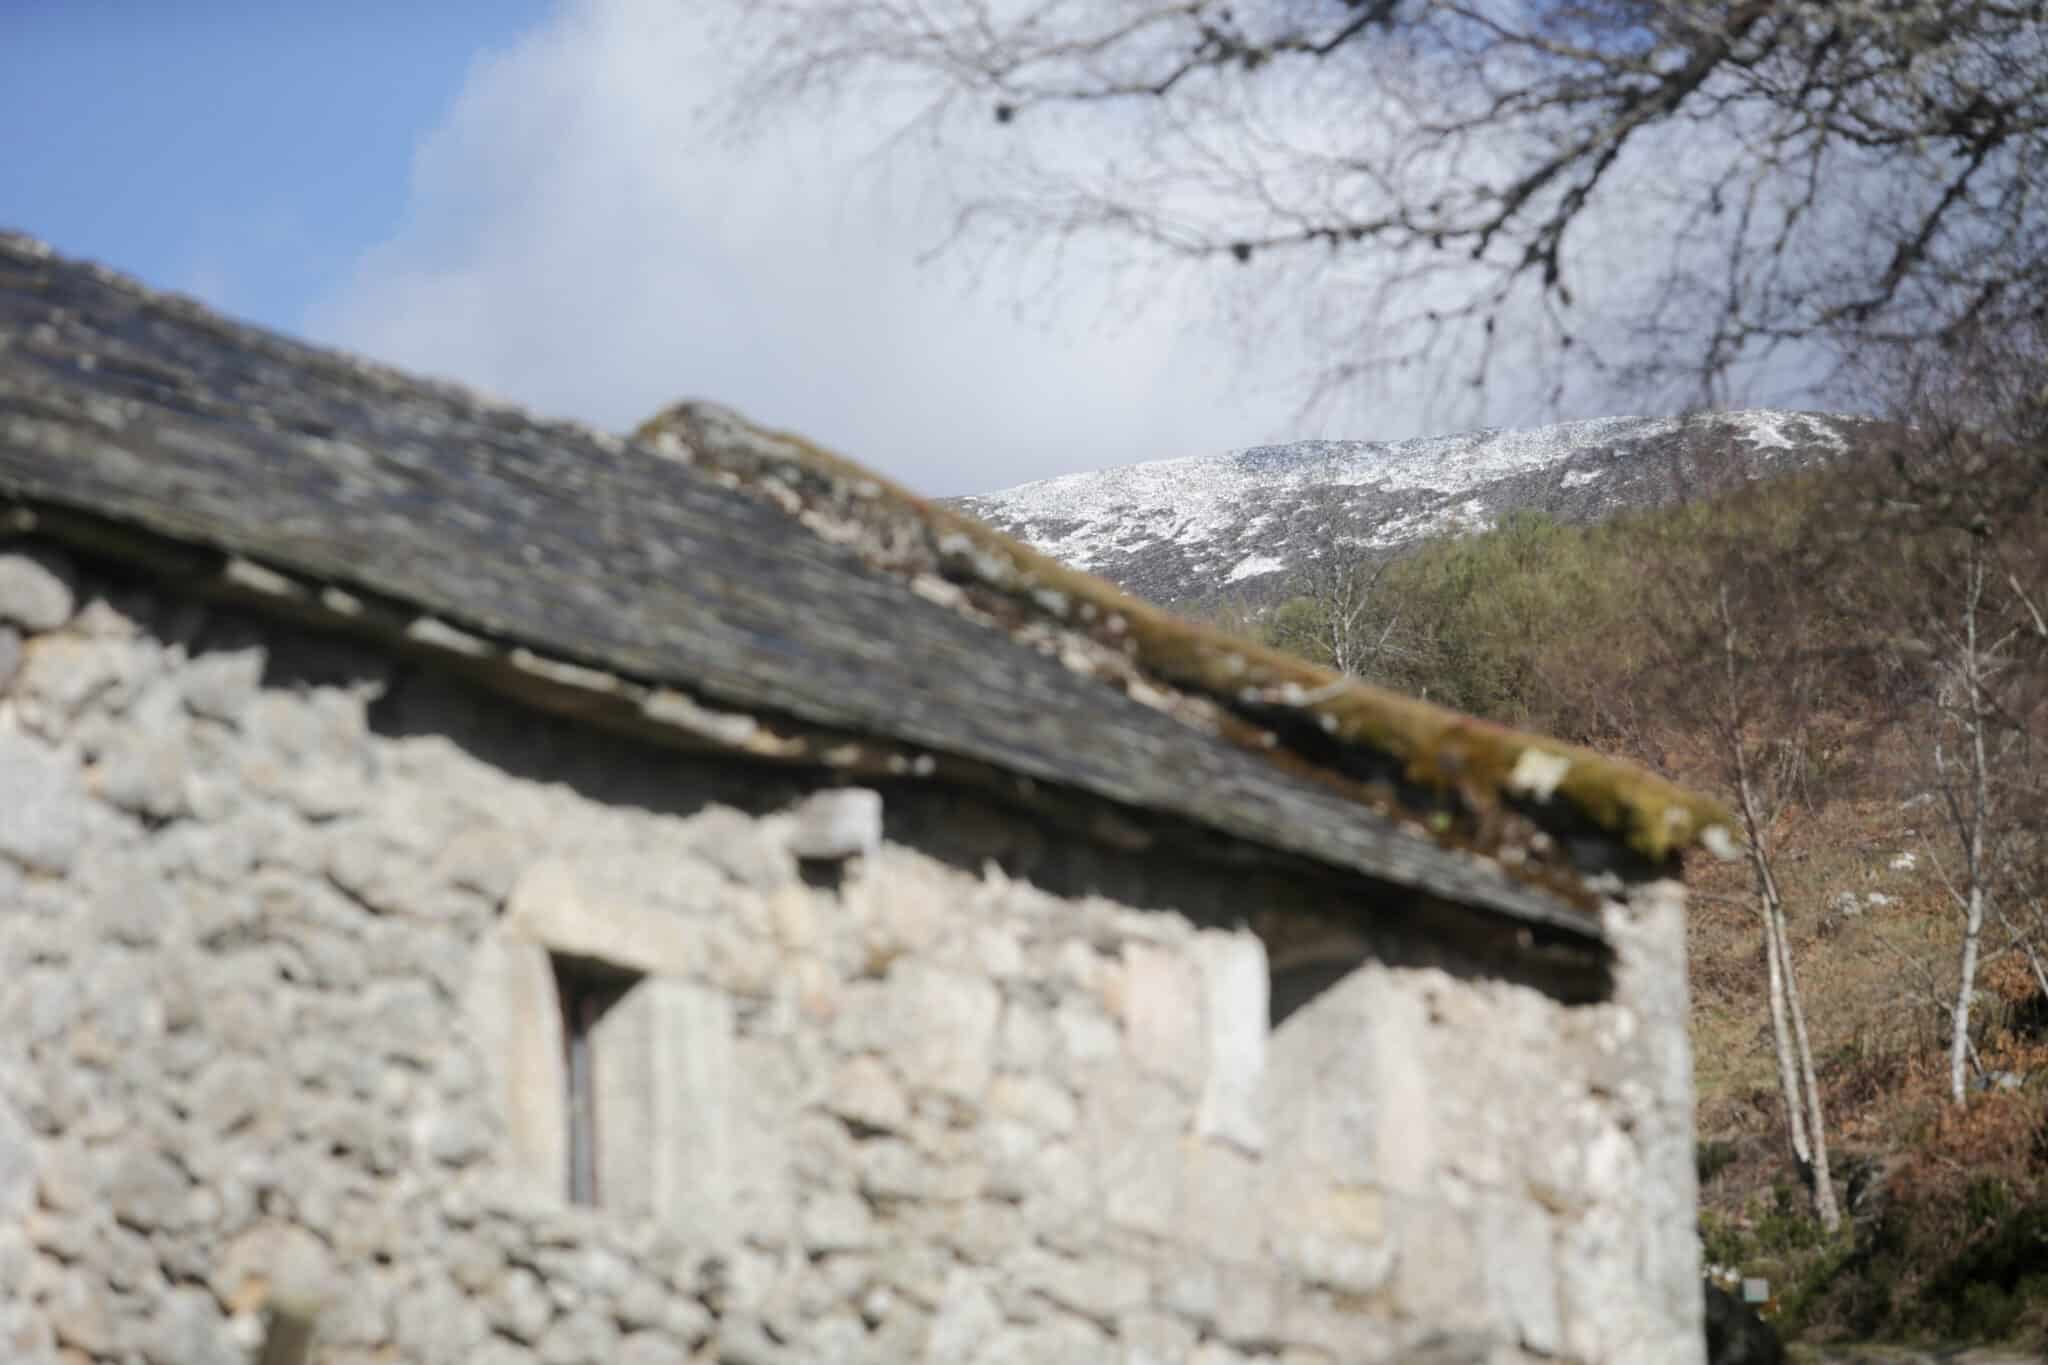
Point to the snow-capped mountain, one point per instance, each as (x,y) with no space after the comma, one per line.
(1180,531)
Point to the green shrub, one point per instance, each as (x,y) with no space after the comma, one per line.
(1710,1158)
(1538,623)
(1987,1200)
(1721,1241)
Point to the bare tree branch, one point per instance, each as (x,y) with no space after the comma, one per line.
(1831,173)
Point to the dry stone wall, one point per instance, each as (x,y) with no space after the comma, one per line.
(277,924)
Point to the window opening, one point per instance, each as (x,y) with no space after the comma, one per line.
(587,990)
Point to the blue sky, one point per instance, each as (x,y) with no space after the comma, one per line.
(245,152)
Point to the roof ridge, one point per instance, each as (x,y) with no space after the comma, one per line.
(1251,691)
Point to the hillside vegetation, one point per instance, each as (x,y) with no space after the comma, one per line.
(1826,639)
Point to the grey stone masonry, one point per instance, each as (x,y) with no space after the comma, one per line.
(323,972)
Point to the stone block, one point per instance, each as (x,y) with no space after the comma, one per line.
(665,1082)
(1062,1195)
(836,824)
(1026,1037)
(866,1091)
(1035,1102)
(1222,1207)
(556,904)
(38,587)
(944,1028)
(81,1314)
(268,1263)
(1248,1304)
(220,685)
(890,1168)
(187,1329)
(836,1221)
(582,1337)
(1061,1337)
(18,1176)
(1163,1012)
(25,1334)
(514,1021)
(904,905)
(519,1306)
(1340,1325)
(147,775)
(147,1190)
(995,951)
(1235,985)
(1153,1338)
(1436,1269)
(1406,1138)
(1099,1288)
(967,1318)
(1086,1035)
(649,1348)
(744,1341)
(1520,1271)
(1337,1240)
(483,859)
(63,674)
(1132,1128)
(643,1303)
(685,1319)
(981,1232)
(42,821)
(744,849)
(837,1336)
(229,1094)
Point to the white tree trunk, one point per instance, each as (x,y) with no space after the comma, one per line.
(1805,1119)
(1971,811)
(1824,1206)
(1776,962)
(1959,1013)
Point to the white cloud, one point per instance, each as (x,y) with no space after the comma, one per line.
(578,241)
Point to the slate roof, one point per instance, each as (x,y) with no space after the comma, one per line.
(744,588)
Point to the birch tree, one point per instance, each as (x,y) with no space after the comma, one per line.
(1338,615)
(1762,765)
(1337,611)
(1984,759)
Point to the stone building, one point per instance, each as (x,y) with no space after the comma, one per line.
(496,892)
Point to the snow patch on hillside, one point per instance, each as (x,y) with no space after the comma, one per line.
(1246,513)
(1251,566)
(1190,500)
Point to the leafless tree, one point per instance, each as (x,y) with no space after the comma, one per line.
(1986,768)
(1668,191)
(1968,493)
(1763,765)
(1963,765)
(1336,613)
(1337,610)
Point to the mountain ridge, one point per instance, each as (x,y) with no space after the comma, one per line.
(1193,529)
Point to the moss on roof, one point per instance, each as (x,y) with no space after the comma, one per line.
(1303,715)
